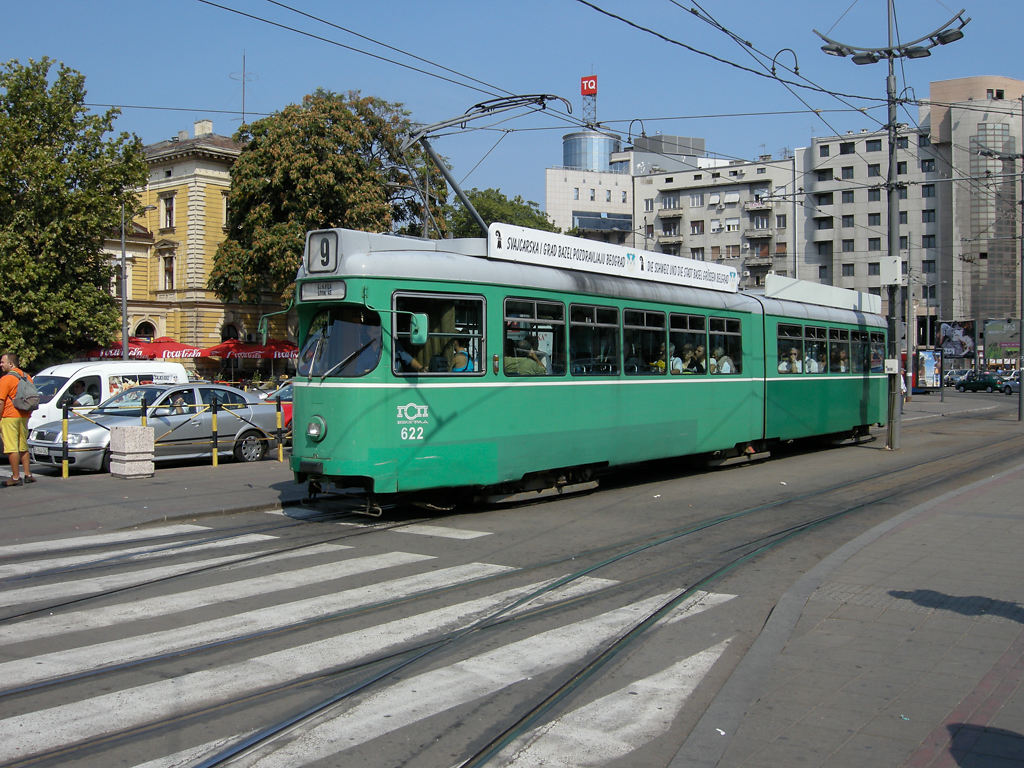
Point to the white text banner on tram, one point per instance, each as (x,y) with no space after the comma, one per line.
(547,249)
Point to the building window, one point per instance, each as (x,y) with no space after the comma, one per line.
(874,169)
(732,225)
(903,217)
(847,270)
(901,193)
(874,195)
(824,175)
(823,272)
(874,219)
(847,195)
(697,227)
(902,142)
(168,212)
(823,222)
(847,220)
(825,248)
(874,243)
(576,193)
(607,195)
(716,252)
(847,246)
(624,196)
(904,242)
(924,141)
(762,170)
(927,190)
(592,194)
(759,221)
(901,168)
(169,273)
(696,199)
(825,198)
(873,145)
(732,251)
(697,254)
(928,266)
(847,171)
(780,249)
(780,220)
(927,241)
(928,165)
(874,268)
(994,93)
(670,202)
(823,150)
(928,216)
(648,204)
(846,148)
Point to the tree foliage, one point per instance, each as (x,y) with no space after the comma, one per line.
(62,185)
(494,206)
(332,161)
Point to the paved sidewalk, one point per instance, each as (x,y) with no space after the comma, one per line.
(905,647)
(86,502)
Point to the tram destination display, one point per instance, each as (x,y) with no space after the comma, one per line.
(547,249)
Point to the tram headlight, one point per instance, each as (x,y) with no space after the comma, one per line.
(316,429)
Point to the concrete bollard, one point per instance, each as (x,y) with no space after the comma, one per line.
(131,452)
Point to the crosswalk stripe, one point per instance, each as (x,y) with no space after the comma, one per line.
(613,726)
(440,531)
(192,755)
(31,547)
(129,555)
(122,650)
(417,698)
(35,732)
(66,590)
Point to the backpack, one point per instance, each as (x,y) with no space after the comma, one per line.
(26,397)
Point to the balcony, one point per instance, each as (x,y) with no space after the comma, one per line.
(757,205)
(760,233)
(672,239)
(669,213)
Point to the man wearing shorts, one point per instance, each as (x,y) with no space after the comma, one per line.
(13,423)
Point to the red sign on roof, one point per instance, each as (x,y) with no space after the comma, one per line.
(588,85)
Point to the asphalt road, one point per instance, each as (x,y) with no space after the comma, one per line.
(586,630)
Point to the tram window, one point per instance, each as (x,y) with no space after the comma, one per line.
(341,341)
(688,334)
(593,340)
(643,343)
(815,348)
(726,345)
(860,352)
(534,338)
(790,343)
(877,352)
(838,350)
(455,339)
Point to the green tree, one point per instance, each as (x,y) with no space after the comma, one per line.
(332,161)
(493,206)
(62,185)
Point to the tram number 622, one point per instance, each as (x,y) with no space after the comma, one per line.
(412,433)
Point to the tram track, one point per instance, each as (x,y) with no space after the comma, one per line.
(724,561)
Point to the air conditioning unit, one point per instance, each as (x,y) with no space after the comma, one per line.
(746,273)
(746,246)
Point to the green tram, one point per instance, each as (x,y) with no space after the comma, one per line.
(432,369)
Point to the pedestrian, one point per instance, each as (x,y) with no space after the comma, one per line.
(13,422)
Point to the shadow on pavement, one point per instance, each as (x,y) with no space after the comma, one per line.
(975,746)
(967,605)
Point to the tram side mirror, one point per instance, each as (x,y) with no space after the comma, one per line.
(418,329)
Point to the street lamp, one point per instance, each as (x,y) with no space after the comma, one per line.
(124,284)
(915,49)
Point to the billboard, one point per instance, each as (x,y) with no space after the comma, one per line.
(588,85)
(928,369)
(957,340)
(1002,340)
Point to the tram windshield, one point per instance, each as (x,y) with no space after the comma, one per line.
(342,341)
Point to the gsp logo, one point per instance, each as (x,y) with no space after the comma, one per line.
(412,413)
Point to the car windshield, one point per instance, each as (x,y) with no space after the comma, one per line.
(48,386)
(131,400)
(342,341)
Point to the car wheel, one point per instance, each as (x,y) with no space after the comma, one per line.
(105,461)
(959,387)
(252,446)
(1007,391)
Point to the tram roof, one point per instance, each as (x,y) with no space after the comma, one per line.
(464,260)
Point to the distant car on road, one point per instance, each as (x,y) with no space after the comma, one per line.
(953,376)
(974,382)
(1011,385)
(181,417)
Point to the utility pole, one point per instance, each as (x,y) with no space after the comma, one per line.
(916,49)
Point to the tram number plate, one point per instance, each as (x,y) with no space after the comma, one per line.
(412,433)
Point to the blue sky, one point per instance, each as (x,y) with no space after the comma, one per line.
(178,61)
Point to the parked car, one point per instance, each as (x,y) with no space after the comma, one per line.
(181,417)
(1011,385)
(975,381)
(953,376)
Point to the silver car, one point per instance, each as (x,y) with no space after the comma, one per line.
(181,416)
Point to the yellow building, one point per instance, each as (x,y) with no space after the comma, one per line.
(170,248)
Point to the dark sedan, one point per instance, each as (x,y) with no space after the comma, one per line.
(975,382)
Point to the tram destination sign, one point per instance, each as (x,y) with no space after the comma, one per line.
(547,249)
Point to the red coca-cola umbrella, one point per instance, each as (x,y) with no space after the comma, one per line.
(274,349)
(137,350)
(166,348)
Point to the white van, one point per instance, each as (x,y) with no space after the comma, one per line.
(100,379)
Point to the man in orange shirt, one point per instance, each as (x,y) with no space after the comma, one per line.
(13,423)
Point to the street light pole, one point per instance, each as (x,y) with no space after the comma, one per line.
(915,49)
(124,291)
